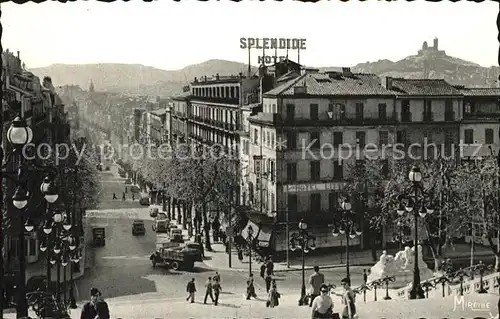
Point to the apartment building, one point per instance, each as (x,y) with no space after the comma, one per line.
(179,112)
(479,129)
(157,121)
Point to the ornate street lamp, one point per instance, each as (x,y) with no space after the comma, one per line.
(346,226)
(19,133)
(415,200)
(301,241)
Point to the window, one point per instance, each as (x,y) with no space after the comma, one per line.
(383,138)
(264,140)
(290,112)
(338,172)
(361,139)
(428,136)
(271,171)
(338,139)
(488,136)
(401,137)
(333,201)
(449,137)
(315,140)
(313,111)
(315,203)
(469,136)
(256,136)
(385,168)
(382,111)
(330,107)
(467,108)
(315,171)
(291,140)
(359,111)
(291,172)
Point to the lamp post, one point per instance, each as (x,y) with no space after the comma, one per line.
(415,200)
(346,226)
(301,241)
(20,134)
(250,242)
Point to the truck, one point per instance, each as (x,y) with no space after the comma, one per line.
(176,256)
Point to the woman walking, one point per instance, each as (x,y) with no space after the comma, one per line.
(273,297)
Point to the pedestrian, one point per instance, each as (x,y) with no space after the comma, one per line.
(114,196)
(270,266)
(268,280)
(250,288)
(208,291)
(125,189)
(365,276)
(133,196)
(316,280)
(216,277)
(240,255)
(191,289)
(217,289)
(273,297)
(263,269)
(348,299)
(322,305)
(96,307)
(123,196)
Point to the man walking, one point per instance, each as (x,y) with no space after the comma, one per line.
(316,280)
(250,288)
(96,307)
(270,266)
(114,196)
(191,289)
(123,196)
(217,289)
(268,280)
(208,291)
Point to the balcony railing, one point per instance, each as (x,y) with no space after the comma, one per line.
(428,116)
(405,116)
(449,116)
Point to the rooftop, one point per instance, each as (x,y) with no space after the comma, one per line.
(486,92)
(420,87)
(182,97)
(159,112)
(331,84)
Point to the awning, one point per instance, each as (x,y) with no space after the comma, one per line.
(262,233)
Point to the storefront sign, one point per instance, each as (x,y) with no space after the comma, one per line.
(313,187)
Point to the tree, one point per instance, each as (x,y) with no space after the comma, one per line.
(204,177)
(365,188)
(443,190)
(479,197)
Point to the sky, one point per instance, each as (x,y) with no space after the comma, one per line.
(171,35)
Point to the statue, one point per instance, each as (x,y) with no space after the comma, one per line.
(400,266)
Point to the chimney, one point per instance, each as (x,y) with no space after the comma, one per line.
(18,55)
(217,76)
(346,72)
(388,83)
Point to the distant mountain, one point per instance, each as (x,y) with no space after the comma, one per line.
(437,65)
(134,79)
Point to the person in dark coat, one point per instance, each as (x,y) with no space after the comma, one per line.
(123,196)
(240,254)
(250,288)
(270,266)
(263,270)
(216,287)
(268,280)
(96,307)
(191,289)
(114,196)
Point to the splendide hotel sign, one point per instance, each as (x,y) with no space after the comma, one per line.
(297,188)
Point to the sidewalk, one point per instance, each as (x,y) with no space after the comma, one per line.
(235,306)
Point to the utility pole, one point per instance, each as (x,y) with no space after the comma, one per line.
(230,228)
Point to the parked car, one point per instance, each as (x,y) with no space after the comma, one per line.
(161,226)
(138,228)
(162,215)
(153,211)
(144,200)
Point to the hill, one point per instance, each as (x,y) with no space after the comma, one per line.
(134,79)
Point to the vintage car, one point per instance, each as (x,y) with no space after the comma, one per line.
(99,237)
(144,200)
(176,235)
(153,211)
(161,226)
(138,228)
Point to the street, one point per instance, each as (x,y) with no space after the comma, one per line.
(122,267)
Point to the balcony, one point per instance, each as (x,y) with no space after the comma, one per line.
(449,116)
(428,116)
(482,115)
(406,117)
(232,101)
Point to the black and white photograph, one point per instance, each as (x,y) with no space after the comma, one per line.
(250,159)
